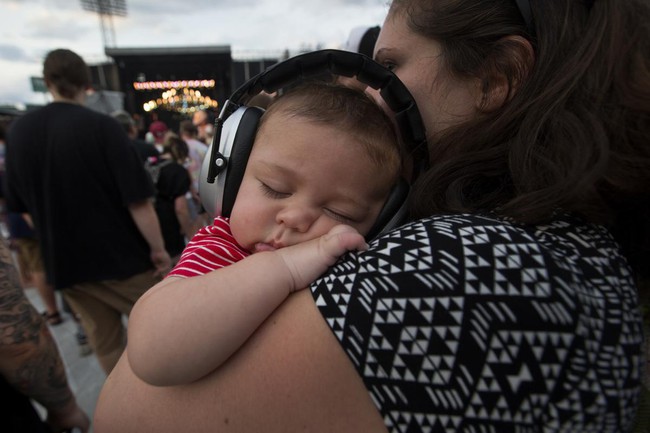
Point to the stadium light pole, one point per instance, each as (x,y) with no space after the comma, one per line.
(106,9)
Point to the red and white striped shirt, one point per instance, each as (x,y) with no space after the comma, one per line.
(212,247)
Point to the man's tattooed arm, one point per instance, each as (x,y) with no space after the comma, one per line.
(29,358)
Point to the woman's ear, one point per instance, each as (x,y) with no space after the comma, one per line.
(504,71)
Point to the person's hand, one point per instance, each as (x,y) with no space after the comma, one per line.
(308,260)
(162,262)
(68,417)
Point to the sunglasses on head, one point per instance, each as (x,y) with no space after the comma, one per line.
(527,13)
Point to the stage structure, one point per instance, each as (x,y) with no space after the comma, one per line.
(172,83)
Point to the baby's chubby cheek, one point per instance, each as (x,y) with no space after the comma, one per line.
(242,233)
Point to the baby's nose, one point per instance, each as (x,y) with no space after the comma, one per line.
(297,218)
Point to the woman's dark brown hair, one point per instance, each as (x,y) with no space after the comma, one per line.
(573,137)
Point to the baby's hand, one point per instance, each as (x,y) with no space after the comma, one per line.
(338,241)
(308,260)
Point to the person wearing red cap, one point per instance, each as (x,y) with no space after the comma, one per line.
(158,129)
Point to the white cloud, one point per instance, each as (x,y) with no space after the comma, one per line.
(31,28)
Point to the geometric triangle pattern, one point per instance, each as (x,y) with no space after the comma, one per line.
(478,324)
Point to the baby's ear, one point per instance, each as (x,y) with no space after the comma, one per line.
(507,67)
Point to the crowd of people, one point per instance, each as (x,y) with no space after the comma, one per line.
(509,298)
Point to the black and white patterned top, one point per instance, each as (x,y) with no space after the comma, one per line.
(475,324)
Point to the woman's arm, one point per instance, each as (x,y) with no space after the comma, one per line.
(184,328)
(182,210)
(291,375)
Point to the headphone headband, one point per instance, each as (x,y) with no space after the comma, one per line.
(337,62)
(348,64)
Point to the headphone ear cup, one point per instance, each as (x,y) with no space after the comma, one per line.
(394,212)
(241,150)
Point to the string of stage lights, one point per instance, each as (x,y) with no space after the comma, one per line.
(182,96)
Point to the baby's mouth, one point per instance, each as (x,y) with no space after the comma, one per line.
(263,246)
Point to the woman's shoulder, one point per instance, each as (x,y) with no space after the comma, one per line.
(563,238)
(172,167)
(473,254)
(445,298)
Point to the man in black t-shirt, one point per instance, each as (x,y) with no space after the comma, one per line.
(75,171)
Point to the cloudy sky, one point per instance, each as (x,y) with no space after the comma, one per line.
(31,28)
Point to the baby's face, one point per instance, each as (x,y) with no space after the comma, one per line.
(301,180)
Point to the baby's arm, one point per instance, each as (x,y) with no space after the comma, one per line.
(184,328)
